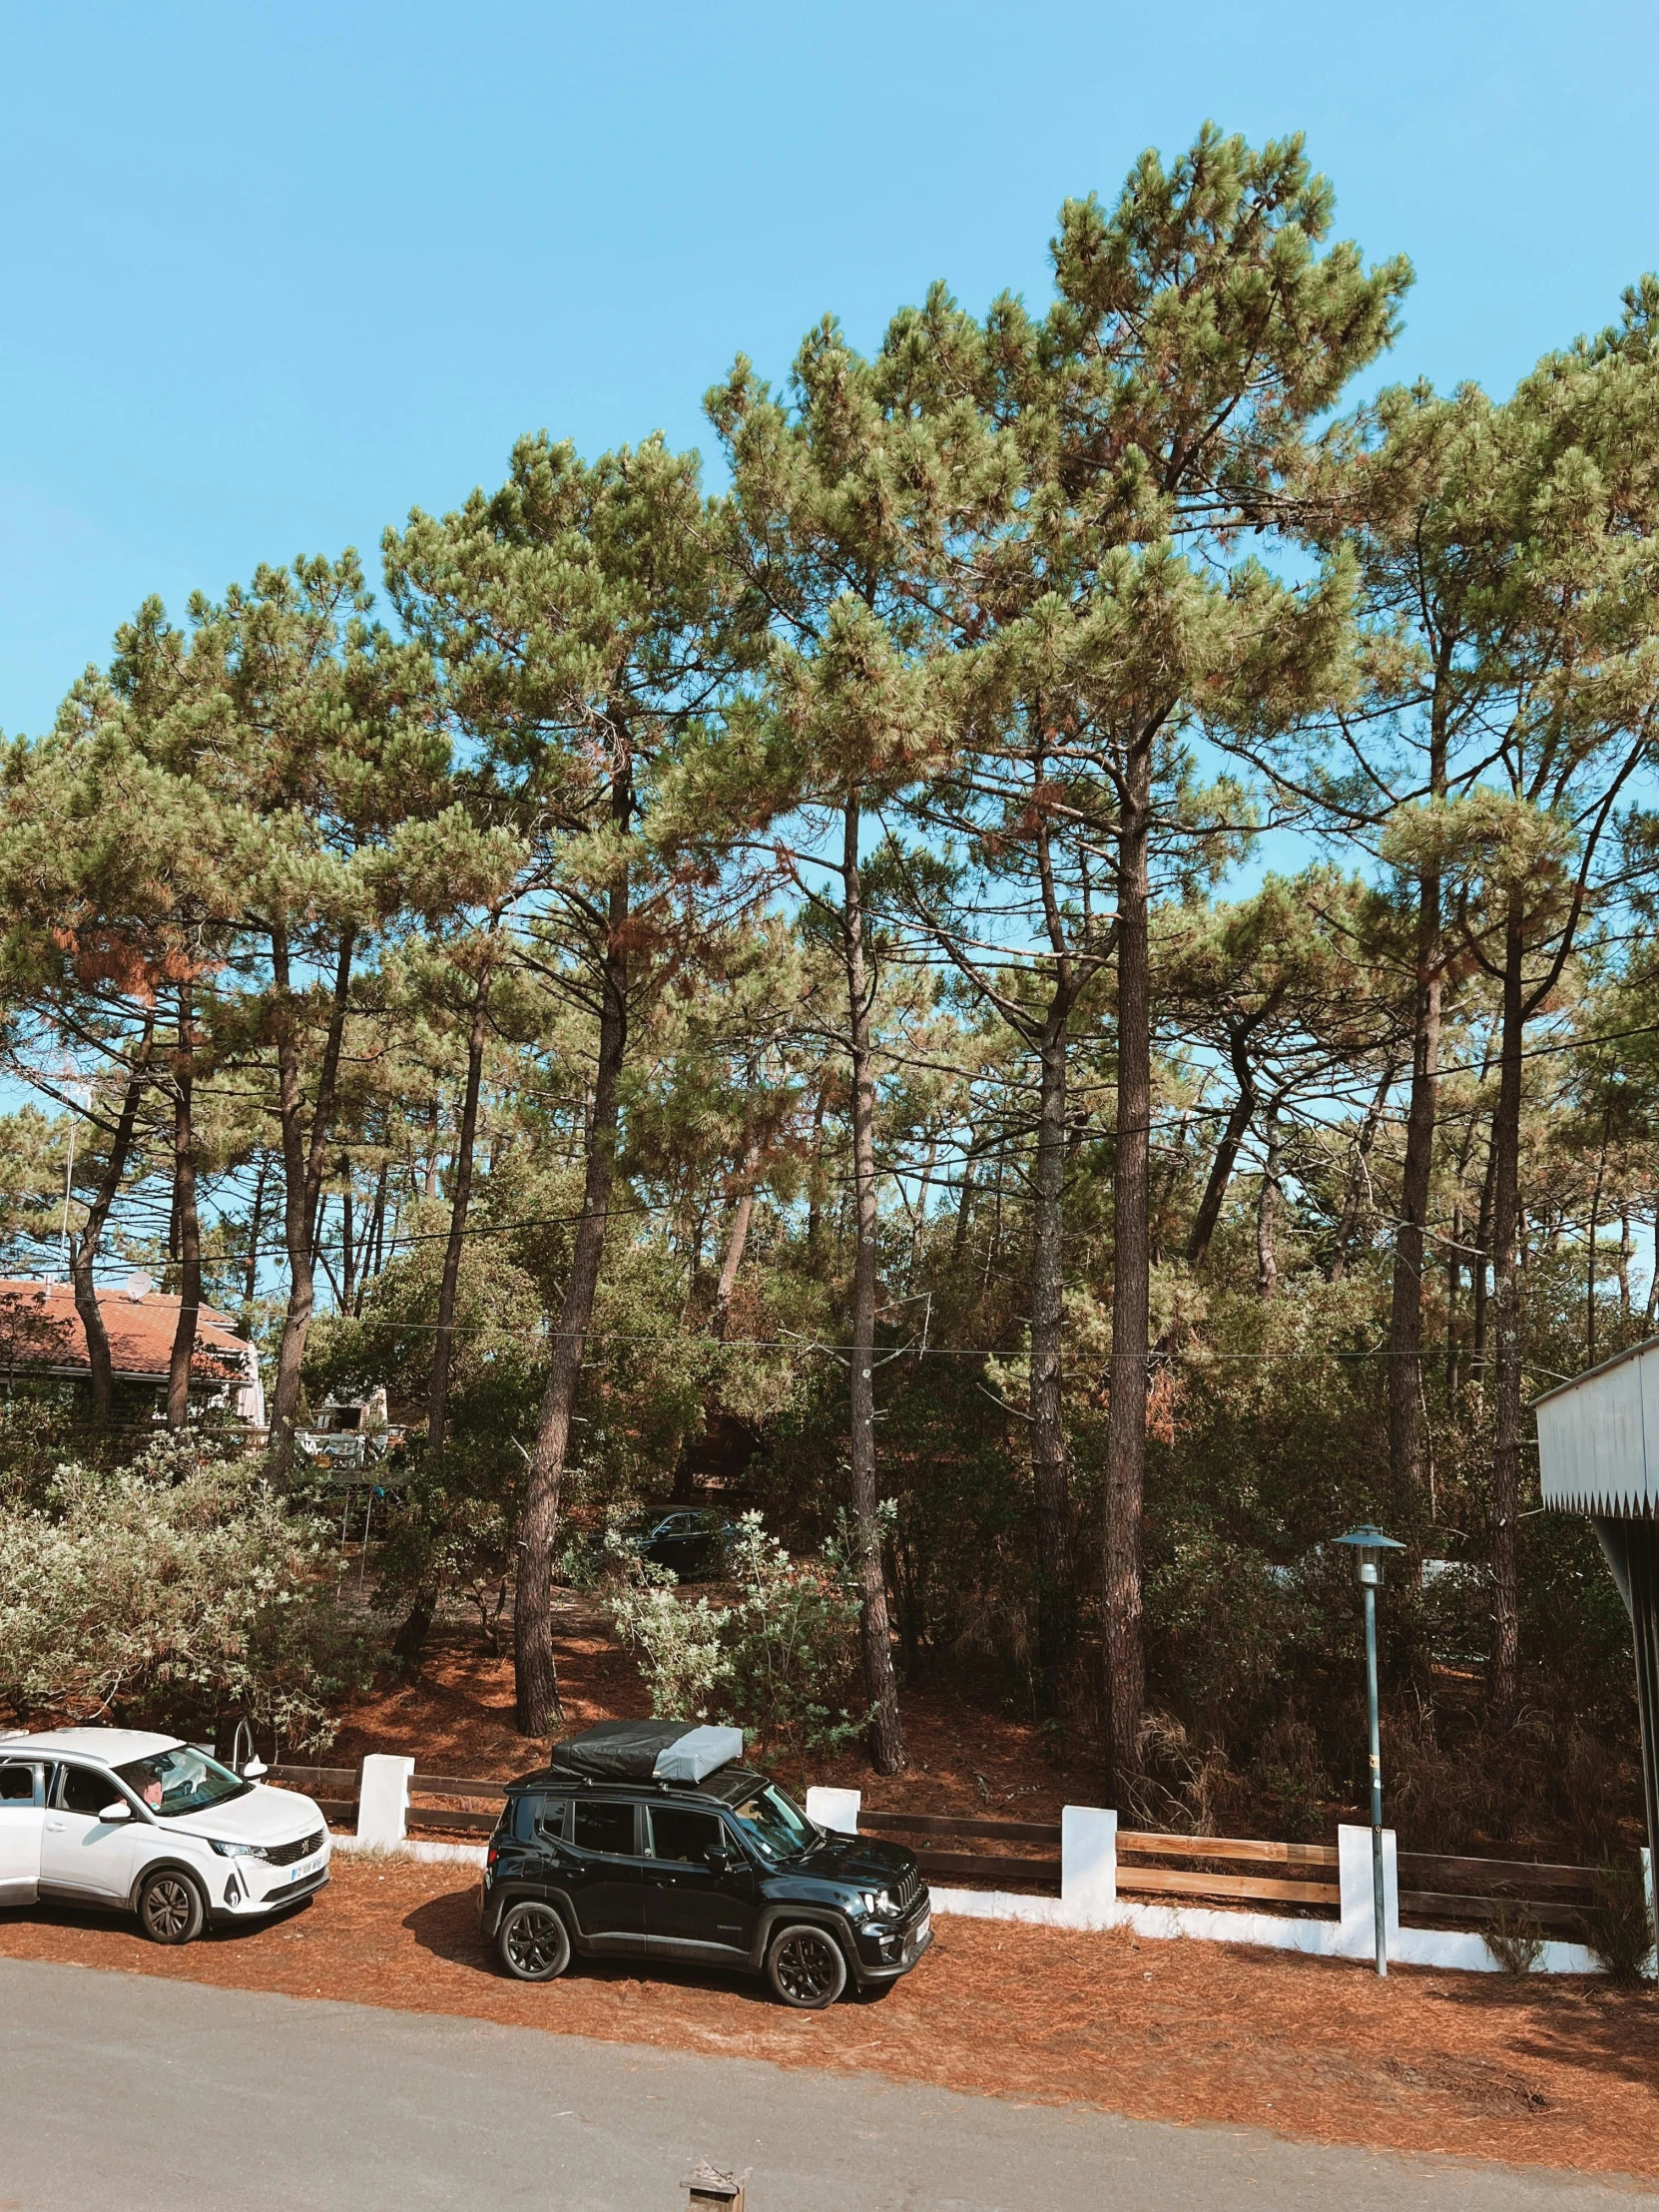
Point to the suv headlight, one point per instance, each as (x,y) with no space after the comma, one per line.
(881,1904)
(238,1851)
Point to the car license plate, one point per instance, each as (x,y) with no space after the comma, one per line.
(306,1866)
(920,1933)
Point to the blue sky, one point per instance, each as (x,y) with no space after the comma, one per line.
(272,275)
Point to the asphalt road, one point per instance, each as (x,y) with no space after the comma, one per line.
(162,2096)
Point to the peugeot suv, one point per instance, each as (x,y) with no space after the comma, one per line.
(622,1848)
(148,1825)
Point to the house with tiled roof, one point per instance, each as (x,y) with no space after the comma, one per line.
(42,1340)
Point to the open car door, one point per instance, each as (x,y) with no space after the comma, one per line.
(22,1817)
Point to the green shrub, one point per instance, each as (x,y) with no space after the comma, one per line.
(1618,1930)
(779,1659)
(170,1594)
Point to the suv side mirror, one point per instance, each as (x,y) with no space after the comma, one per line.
(118,1811)
(719,1857)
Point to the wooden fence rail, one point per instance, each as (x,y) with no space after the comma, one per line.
(1433,1887)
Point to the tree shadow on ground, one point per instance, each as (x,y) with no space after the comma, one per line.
(1593,2027)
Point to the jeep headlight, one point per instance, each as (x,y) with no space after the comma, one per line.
(881,1904)
(238,1851)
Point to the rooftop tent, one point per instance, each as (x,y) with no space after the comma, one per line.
(1598,1454)
(647,1751)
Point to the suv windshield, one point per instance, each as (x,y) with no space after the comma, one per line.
(775,1823)
(182,1780)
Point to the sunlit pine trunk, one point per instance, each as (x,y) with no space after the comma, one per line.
(1506,1491)
(886,1738)
(190,1220)
(84,1249)
(1131,1286)
(1407,1440)
(437,1409)
(1051,1486)
(301,1170)
(535,1663)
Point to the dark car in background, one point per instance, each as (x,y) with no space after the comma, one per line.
(693,1544)
(651,1839)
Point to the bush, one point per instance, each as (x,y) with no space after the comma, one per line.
(171,1594)
(780,1660)
(1618,1930)
(1514,1939)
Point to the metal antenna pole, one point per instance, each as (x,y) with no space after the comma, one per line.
(1375,1781)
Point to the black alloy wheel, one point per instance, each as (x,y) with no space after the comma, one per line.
(171,1908)
(805,1967)
(533,1942)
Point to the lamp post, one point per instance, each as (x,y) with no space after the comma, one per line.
(1369,1545)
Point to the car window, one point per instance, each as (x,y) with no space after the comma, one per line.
(551,1817)
(85,1789)
(18,1787)
(604,1828)
(678,1833)
(181,1781)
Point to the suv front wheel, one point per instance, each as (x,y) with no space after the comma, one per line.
(805,1967)
(171,1909)
(533,1942)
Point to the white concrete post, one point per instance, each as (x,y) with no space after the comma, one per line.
(383,1802)
(836,1810)
(1356,1937)
(1088,1863)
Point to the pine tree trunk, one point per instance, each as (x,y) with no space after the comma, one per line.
(1503,1682)
(1480,1272)
(1407,1440)
(1267,1211)
(302,1171)
(1131,1291)
(250,1273)
(1596,1230)
(84,1250)
(190,1221)
(732,1257)
(886,1739)
(964,1212)
(535,1663)
(814,1214)
(1051,1486)
(1232,1137)
(1357,1180)
(437,1409)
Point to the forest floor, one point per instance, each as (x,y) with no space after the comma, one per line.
(456,1717)
(1553,2073)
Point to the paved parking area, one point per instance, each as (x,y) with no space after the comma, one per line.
(165,2096)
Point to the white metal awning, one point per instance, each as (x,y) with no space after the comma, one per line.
(1598,1437)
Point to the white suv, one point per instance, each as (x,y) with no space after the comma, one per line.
(108,1816)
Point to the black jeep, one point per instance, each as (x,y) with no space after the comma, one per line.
(651,1839)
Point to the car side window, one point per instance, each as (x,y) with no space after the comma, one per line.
(603,1828)
(550,1817)
(677,1831)
(84,1790)
(20,1785)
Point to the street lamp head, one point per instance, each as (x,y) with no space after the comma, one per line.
(1369,1545)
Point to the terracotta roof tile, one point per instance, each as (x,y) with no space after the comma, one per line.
(39,1328)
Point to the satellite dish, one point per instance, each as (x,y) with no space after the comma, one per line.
(138,1284)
